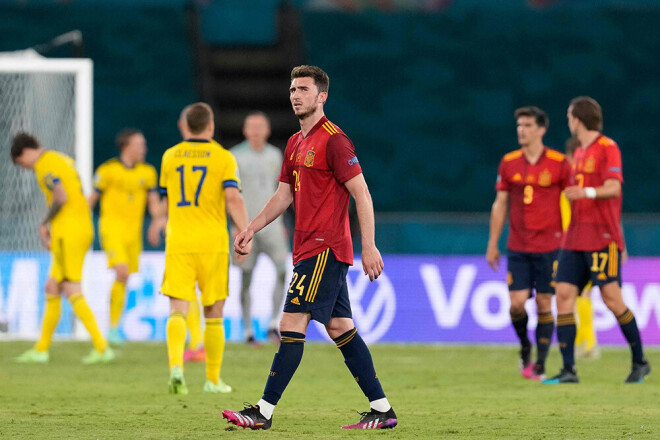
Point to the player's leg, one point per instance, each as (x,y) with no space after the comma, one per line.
(608,278)
(519,279)
(293,327)
(213,281)
(308,274)
(117,297)
(586,344)
(195,351)
(572,275)
(545,267)
(39,354)
(179,286)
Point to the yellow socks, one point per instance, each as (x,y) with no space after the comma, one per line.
(585,332)
(117,295)
(194,325)
(214,344)
(50,320)
(84,313)
(176,339)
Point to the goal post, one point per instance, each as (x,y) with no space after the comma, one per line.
(51,98)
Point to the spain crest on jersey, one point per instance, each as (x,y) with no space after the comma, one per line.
(309,158)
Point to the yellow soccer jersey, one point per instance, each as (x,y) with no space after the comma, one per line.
(565,207)
(194,175)
(123,193)
(74,218)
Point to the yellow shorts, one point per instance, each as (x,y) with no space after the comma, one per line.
(209,269)
(68,257)
(120,250)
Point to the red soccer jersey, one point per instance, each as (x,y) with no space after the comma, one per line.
(316,167)
(595,223)
(534,191)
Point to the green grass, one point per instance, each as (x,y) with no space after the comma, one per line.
(450,392)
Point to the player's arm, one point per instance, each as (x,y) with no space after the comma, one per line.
(158,212)
(372,262)
(275,206)
(59,199)
(497,218)
(93,199)
(611,188)
(239,216)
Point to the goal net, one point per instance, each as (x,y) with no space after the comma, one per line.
(51,99)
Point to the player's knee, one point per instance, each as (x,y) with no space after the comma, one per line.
(52,287)
(338,326)
(121,273)
(543,302)
(294,322)
(214,311)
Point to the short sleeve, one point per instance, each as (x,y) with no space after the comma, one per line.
(230,177)
(285,170)
(501,184)
(151,179)
(612,163)
(341,158)
(101,179)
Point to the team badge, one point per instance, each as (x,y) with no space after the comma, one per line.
(309,159)
(545,178)
(590,165)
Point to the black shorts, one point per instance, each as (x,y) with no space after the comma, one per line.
(600,267)
(533,271)
(318,286)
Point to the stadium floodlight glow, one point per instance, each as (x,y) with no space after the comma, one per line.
(52,99)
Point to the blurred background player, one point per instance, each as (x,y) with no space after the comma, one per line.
(199,180)
(530,180)
(319,174)
(259,164)
(592,246)
(124,185)
(67,232)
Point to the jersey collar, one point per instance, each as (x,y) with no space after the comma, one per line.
(198,141)
(322,121)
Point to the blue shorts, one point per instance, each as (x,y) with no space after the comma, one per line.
(600,267)
(318,286)
(533,271)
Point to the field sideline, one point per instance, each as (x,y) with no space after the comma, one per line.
(452,392)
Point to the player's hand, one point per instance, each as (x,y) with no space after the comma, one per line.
(624,256)
(243,242)
(240,259)
(153,233)
(493,257)
(44,235)
(372,262)
(574,193)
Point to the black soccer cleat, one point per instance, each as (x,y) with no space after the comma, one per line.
(375,420)
(248,417)
(566,375)
(638,372)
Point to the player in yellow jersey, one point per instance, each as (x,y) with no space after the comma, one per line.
(66,231)
(125,185)
(200,182)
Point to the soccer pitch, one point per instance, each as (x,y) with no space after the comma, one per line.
(452,392)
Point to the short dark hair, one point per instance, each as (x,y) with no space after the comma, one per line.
(572,144)
(531,111)
(587,110)
(124,137)
(20,142)
(321,78)
(258,113)
(198,116)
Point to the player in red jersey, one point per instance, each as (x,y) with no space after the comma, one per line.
(319,173)
(530,180)
(592,246)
